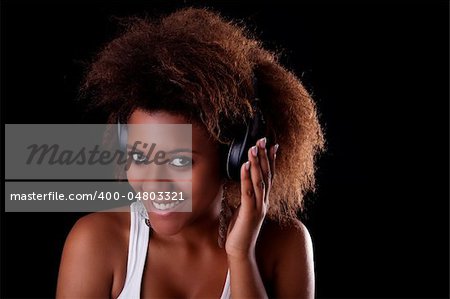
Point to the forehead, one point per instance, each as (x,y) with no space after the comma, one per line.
(200,136)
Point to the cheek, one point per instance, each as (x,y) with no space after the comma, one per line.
(133,175)
(206,182)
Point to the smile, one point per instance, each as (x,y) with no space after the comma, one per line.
(166,206)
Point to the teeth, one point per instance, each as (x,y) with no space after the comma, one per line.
(165,206)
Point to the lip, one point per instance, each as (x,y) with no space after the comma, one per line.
(178,207)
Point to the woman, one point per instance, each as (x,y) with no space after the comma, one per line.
(193,66)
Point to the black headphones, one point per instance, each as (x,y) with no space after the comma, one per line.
(254,130)
(237,151)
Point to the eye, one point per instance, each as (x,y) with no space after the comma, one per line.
(139,158)
(181,161)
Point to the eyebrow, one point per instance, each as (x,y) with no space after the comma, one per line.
(178,150)
(182,150)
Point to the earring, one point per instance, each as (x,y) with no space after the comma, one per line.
(224,218)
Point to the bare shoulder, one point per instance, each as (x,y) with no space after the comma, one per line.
(94,249)
(288,252)
(100,228)
(282,238)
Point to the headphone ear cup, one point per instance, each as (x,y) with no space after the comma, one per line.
(236,155)
(122,134)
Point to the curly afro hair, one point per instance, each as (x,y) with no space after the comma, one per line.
(195,63)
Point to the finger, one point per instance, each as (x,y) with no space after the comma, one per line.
(248,200)
(259,186)
(264,161)
(273,155)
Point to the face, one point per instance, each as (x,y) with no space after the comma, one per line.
(194,171)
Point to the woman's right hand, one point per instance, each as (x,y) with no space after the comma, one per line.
(256,182)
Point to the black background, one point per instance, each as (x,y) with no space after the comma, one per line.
(379,74)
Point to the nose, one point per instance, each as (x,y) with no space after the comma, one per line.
(156,178)
(157,186)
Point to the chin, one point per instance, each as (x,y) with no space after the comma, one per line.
(168,224)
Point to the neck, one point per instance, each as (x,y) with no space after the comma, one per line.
(201,233)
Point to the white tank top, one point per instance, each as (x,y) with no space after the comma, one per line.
(137,252)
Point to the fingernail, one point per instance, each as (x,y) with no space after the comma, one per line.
(262,143)
(247,165)
(255,151)
(276,148)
